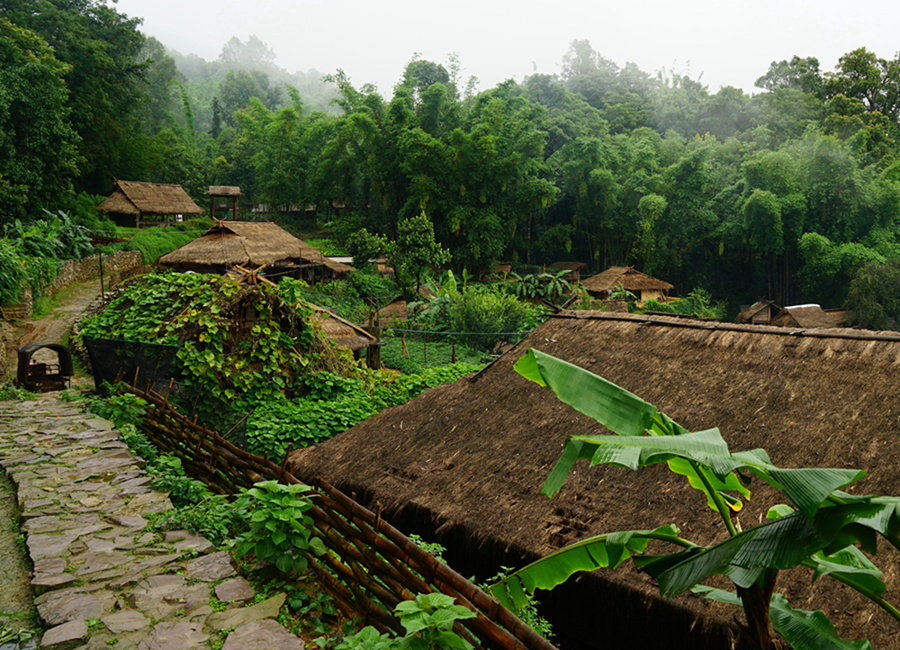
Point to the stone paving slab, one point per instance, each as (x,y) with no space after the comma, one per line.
(101,577)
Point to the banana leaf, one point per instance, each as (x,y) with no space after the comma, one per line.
(601,551)
(629,416)
(806,630)
(803,629)
(778,544)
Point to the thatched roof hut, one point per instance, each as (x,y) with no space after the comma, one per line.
(342,332)
(251,244)
(759,313)
(641,285)
(131,201)
(467,460)
(806,316)
(574,269)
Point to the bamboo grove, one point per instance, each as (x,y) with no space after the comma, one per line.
(789,193)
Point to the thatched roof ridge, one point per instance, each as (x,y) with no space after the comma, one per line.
(630,280)
(568,266)
(472,455)
(224,190)
(257,243)
(139,198)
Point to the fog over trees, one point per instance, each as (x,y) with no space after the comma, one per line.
(788,193)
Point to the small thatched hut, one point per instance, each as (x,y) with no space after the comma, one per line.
(132,201)
(612,279)
(464,462)
(574,269)
(806,316)
(759,313)
(252,244)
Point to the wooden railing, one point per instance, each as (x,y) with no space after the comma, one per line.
(369,566)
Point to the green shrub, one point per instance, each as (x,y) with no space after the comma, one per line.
(12,273)
(279,531)
(490,312)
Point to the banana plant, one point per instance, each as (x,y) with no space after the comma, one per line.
(822,527)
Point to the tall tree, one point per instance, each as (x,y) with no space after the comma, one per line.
(105,77)
(37,144)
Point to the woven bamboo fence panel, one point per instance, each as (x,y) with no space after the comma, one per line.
(370,566)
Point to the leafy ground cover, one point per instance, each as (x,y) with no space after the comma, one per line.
(296,386)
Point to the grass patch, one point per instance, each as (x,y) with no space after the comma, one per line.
(426,354)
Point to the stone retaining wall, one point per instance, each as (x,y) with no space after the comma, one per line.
(88,268)
(116,267)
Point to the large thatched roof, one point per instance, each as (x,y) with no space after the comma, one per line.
(138,198)
(470,457)
(630,280)
(253,243)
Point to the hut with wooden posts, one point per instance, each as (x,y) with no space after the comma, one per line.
(617,278)
(224,198)
(261,246)
(806,316)
(135,204)
(463,463)
(759,313)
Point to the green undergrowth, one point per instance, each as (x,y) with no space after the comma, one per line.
(422,354)
(334,404)
(257,351)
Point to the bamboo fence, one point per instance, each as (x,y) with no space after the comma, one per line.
(369,566)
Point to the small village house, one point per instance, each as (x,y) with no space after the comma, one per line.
(253,245)
(759,313)
(615,278)
(134,204)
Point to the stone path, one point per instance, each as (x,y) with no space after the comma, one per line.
(101,578)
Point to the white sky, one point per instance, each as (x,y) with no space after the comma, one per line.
(731,42)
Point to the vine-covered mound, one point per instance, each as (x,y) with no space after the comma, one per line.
(258,349)
(244,342)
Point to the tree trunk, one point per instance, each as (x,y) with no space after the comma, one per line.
(756,608)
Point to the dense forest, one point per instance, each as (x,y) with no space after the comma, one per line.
(792,193)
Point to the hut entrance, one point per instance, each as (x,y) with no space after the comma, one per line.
(44,367)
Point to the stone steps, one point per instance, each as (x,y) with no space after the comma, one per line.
(101,578)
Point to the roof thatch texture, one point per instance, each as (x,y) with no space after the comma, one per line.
(137,198)
(224,190)
(806,316)
(341,332)
(630,280)
(253,243)
(568,266)
(472,456)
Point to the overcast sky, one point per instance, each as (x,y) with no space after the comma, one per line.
(731,42)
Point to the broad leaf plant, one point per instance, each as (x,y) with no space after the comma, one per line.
(822,527)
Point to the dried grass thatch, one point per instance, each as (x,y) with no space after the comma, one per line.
(630,280)
(248,243)
(138,198)
(341,332)
(224,190)
(806,316)
(470,457)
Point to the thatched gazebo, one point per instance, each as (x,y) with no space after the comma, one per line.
(230,193)
(463,463)
(612,279)
(256,244)
(132,201)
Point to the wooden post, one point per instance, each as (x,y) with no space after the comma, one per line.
(453,352)
(212,207)
(102,294)
(404,353)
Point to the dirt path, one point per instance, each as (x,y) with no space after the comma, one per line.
(70,303)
